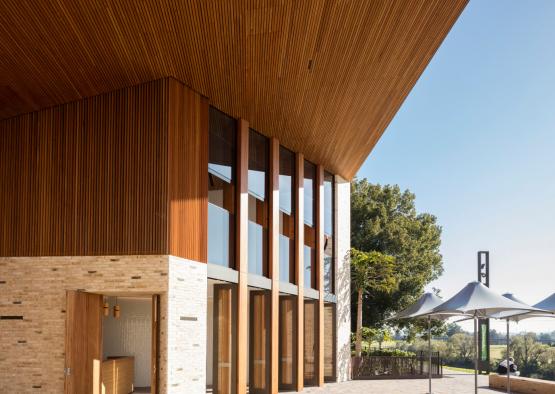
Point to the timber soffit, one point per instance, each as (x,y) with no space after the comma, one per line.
(324,77)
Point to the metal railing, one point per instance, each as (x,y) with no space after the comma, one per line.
(396,367)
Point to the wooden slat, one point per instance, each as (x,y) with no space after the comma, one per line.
(241,251)
(299,269)
(274,264)
(325,77)
(87,178)
(319,215)
(119,173)
(187,173)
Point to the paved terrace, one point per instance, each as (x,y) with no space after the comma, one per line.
(452,383)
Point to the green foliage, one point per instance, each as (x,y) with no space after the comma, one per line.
(452,329)
(390,353)
(384,220)
(372,271)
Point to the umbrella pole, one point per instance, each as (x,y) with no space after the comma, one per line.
(475,355)
(508,365)
(429,354)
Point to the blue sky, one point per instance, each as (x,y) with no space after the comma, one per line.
(475,141)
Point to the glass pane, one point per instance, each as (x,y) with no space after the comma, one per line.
(287,342)
(221,189)
(258,164)
(309,194)
(329,268)
(286,216)
(328,203)
(308,257)
(310,341)
(258,206)
(222,141)
(219,223)
(259,341)
(286,178)
(222,344)
(329,342)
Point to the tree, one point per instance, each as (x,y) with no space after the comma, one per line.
(461,346)
(453,328)
(526,352)
(370,272)
(384,220)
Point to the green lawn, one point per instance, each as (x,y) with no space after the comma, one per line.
(459,369)
(496,351)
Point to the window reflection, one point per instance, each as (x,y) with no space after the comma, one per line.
(309,228)
(221,189)
(258,204)
(286,216)
(329,267)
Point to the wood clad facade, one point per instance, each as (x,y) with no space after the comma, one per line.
(302,71)
(117,174)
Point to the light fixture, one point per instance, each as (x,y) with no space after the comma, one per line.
(116,309)
(106,308)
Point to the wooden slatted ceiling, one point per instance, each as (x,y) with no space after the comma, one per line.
(323,76)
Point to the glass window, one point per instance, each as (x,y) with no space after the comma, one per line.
(221,188)
(309,228)
(286,215)
(309,192)
(329,266)
(258,204)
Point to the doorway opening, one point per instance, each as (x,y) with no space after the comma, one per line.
(112,343)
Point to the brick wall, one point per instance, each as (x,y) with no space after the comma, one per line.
(32,349)
(187,310)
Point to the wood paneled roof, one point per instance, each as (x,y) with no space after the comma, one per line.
(324,76)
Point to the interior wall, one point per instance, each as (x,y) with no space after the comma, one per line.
(130,335)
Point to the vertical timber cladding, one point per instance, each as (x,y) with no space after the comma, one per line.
(85,178)
(187,177)
(107,175)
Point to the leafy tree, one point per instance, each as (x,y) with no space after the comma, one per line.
(370,272)
(526,352)
(384,220)
(453,328)
(461,346)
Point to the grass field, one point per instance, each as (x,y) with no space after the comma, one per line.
(496,351)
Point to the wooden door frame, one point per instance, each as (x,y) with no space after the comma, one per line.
(155,346)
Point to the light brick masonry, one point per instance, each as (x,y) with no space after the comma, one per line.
(32,349)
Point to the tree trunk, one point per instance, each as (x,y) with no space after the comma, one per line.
(358,341)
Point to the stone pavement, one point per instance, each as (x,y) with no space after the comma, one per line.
(451,383)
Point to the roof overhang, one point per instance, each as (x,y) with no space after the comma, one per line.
(325,77)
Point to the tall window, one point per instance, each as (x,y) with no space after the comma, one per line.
(221,189)
(286,215)
(329,266)
(258,203)
(309,225)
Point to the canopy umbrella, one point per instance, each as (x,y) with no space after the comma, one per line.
(425,304)
(478,301)
(514,316)
(546,309)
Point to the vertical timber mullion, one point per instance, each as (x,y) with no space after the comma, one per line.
(299,261)
(320,274)
(241,254)
(274,265)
